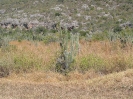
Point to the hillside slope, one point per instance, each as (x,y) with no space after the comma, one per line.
(112,86)
(89,15)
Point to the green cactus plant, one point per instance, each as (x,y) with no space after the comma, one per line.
(69,44)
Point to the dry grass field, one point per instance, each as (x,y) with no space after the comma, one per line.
(102,70)
(102,56)
(55,86)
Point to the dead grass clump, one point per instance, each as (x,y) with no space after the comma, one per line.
(52,77)
(37,77)
(79,76)
(4,71)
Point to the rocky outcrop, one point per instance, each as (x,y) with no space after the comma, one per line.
(126,25)
(14,23)
(2,11)
(26,24)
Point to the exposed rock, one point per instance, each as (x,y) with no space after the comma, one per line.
(24,20)
(42,1)
(96,12)
(93,6)
(61,5)
(34,24)
(36,15)
(14,26)
(106,15)
(85,6)
(69,17)
(20,11)
(57,8)
(99,8)
(16,21)
(127,24)
(88,17)
(119,20)
(36,2)
(8,20)
(70,28)
(2,11)
(54,26)
(75,24)
(78,14)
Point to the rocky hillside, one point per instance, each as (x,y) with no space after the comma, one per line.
(86,15)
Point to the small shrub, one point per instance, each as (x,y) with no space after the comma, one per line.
(4,41)
(99,36)
(4,71)
(53,31)
(117,29)
(57,14)
(41,30)
(8,48)
(120,63)
(83,33)
(49,38)
(26,62)
(91,62)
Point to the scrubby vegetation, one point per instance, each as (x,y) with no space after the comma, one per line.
(83,48)
(92,15)
(105,52)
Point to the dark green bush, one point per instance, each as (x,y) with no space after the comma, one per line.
(117,29)
(49,38)
(41,30)
(83,33)
(57,14)
(61,1)
(100,36)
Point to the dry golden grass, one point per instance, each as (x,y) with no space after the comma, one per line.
(91,84)
(114,57)
(105,57)
(40,50)
(52,77)
(47,52)
(104,49)
(112,86)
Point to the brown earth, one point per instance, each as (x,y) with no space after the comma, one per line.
(74,86)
